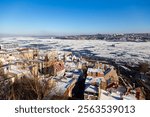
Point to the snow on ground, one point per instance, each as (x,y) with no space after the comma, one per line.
(119,51)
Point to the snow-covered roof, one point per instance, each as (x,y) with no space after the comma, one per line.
(129,97)
(94,70)
(106,96)
(90,80)
(68,74)
(62,85)
(91,89)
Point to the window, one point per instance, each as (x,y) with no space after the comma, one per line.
(108,81)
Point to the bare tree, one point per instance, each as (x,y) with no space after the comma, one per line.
(24,89)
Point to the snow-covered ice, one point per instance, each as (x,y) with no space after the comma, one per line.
(119,51)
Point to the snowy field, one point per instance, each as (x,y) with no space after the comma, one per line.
(119,51)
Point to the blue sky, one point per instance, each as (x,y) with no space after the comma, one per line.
(74,16)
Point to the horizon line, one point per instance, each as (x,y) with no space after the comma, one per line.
(75,34)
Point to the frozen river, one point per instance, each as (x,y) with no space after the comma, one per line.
(119,51)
